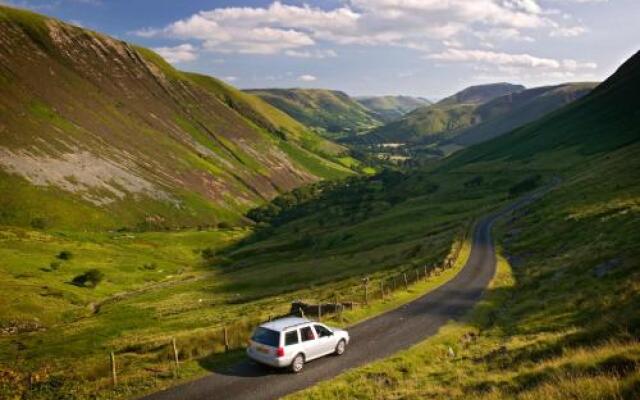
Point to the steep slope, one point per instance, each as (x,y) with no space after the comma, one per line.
(98,133)
(425,125)
(481,93)
(506,113)
(332,113)
(391,108)
(441,120)
(465,124)
(605,119)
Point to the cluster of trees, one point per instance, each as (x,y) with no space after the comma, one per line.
(525,185)
(354,198)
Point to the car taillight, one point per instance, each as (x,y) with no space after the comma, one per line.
(280,352)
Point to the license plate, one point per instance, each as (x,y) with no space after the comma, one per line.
(263,350)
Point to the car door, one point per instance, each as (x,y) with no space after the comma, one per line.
(310,343)
(326,339)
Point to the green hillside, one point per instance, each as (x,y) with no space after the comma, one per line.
(439,121)
(331,113)
(506,113)
(97,133)
(391,108)
(448,123)
(481,93)
(560,319)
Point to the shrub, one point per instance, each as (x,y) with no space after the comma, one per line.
(39,223)
(224,225)
(65,255)
(208,254)
(91,278)
(149,266)
(525,185)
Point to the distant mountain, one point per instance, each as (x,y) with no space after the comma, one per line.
(97,133)
(332,113)
(462,124)
(391,108)
(602,121)
(506,113)
(440,120)
(481,94)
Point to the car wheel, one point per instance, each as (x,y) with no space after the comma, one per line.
(341,347)
(297,364)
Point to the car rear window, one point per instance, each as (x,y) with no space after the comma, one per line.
(291,338)
(266,336)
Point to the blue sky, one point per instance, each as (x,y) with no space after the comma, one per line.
(426,48)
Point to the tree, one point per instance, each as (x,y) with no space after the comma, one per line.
(91,278)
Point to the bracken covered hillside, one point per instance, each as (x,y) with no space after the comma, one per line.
(95,132)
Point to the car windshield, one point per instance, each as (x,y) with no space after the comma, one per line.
(266,336)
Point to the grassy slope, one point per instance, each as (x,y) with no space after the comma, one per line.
(211,149)
(480,94)
(314,256)
(390,108)
(334,113)
(506,113)
(563,323)
(468,118)
(426,124)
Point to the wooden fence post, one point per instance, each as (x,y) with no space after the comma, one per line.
(394,283)
(382,289)
(114,376)
(366,293)
(319,311)
(175,356)
(417,275)
(425,272)
(226,339)
(406,283)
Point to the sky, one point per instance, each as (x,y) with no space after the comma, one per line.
(429,48)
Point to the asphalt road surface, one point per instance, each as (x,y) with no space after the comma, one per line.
(371,340)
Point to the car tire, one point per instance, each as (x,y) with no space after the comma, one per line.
(297,364)
(341,347)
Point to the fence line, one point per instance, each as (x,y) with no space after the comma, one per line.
(333,305)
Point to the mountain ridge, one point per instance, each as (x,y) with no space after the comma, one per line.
(96,124)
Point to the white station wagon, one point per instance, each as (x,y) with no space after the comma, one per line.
(292,341)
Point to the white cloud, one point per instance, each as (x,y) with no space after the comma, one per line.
(312,53)
(568,31)
(307,78)
(492,57)
(178,54)
(230,78)
(415,24)
(499,65)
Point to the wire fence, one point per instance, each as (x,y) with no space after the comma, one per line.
(162,359)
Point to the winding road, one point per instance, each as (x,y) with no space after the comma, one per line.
(371,340)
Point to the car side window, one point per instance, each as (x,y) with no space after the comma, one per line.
(291,338)
(322,331)
(306,334)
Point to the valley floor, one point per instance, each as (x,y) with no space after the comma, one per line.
(560,320)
